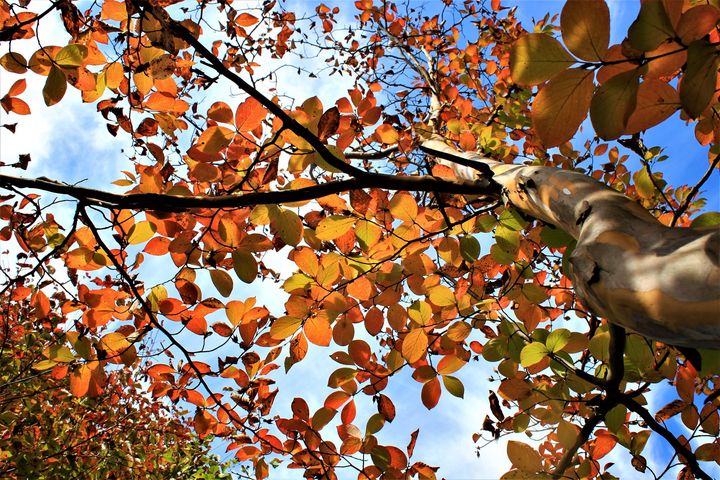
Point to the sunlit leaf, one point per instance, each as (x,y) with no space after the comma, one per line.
(537,57)
(586,28)
(562,105)
(524,457)
(414,345)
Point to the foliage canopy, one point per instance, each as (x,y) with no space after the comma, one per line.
(406,208)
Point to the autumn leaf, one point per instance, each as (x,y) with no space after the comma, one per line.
(697,86)
(586,28)
(613,103)
(561,106)
(537,57)
(249,115)
(414,345)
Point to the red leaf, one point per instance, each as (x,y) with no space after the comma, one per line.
(431,393)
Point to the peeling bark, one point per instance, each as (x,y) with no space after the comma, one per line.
(661,282)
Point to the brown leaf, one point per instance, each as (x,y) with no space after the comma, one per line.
(639,462)
(669,410)
(656,101)
(329,123)
(562,105)
(495,406)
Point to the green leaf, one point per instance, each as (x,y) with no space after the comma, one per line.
(557,339)
(555,237)
(454,386)
(613,103)
(71,55)
(536,57)
(707,219)
(644,184)
(469,248)
(698,84)
(288,225)
(55,86)
(615,418)
(651,27)
(562,105)
(512,219)
(599,346)
(585,26)
(245,265)
(532,354)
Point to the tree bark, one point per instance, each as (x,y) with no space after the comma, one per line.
(661,282)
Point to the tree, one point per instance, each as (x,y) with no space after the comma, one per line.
(49,429)
(599,283)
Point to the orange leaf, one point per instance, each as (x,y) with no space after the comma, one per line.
(414,345)
(656,101)
(249,115)
(468,141)
(318,330)
(88,379)
(697,22)
(17,88)
(387,134)
(15,105)
(204,423)
(246,20)
(220,112)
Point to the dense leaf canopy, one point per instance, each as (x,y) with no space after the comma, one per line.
(437,216)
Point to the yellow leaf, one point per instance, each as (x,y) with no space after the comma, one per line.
(59,353)
(71,55)
(441,296)
(284,327)
(524,457)
(141,232)
(333,227)
(404,207)
(214,139)
(414,345)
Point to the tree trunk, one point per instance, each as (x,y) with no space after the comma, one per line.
(661,282)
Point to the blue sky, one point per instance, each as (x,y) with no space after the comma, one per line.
(59,148)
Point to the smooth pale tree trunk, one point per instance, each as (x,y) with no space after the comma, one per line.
(661,282)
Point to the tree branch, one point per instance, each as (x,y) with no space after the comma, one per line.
(681,449)
(174,203)
(179,30)
(694,191)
